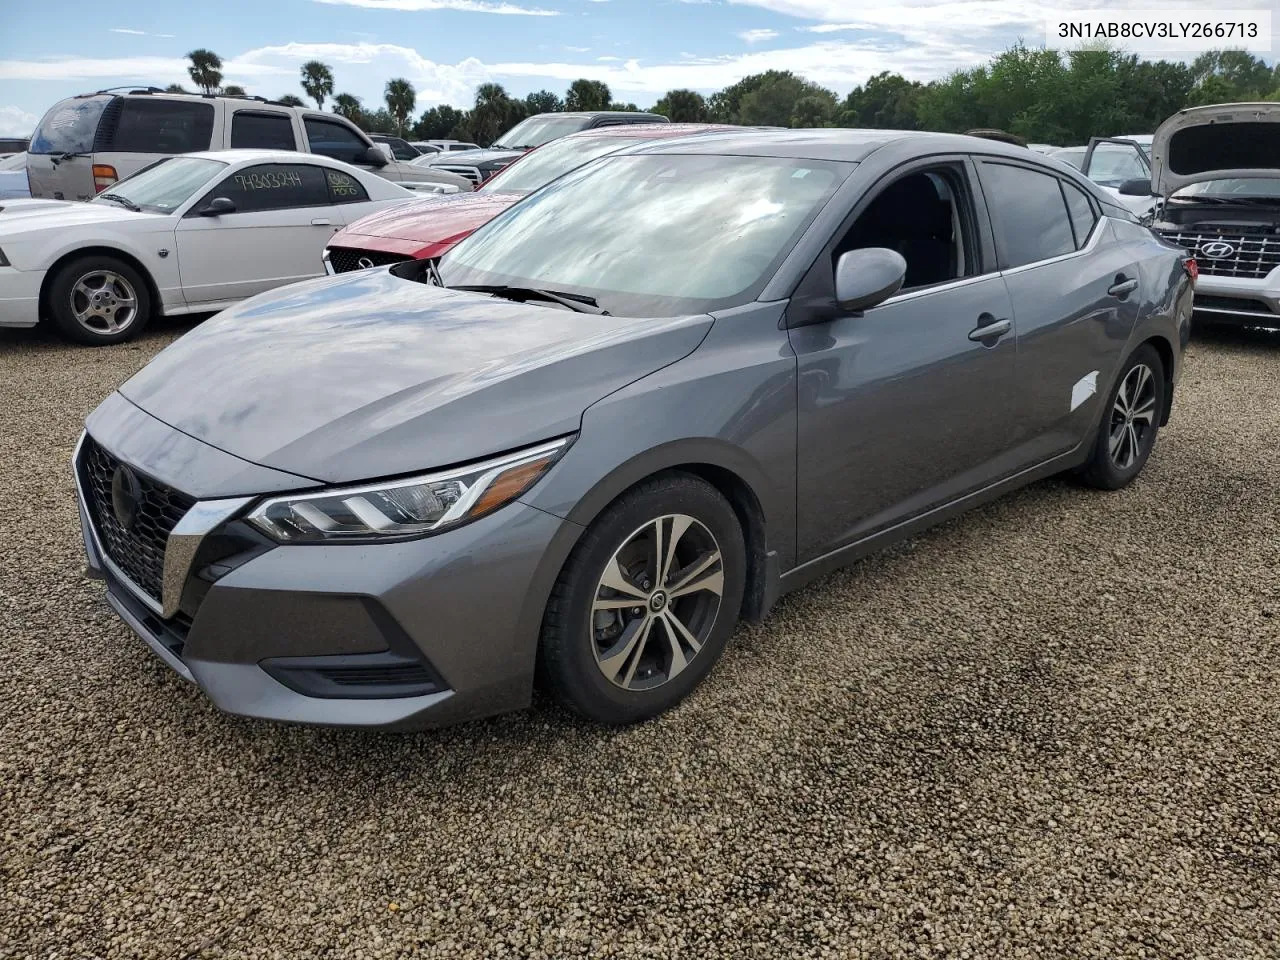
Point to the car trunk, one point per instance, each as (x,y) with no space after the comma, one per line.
(60,158)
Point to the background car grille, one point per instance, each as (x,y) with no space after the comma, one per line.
(345,259)
(1240,304)
(138,551)
(1256,254)
(461,169)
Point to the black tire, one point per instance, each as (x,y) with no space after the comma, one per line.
(1109,467)
(64,300)
(577,639)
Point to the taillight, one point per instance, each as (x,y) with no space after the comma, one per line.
(1192,268)
(103,177)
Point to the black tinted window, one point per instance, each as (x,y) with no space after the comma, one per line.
(344,188)
(267,131)
(69,127)
(1028,213)
(400,149)
(272,186)
(162,126)
(1081,210)
(335,140)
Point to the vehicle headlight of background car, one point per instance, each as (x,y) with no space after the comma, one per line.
(413,507)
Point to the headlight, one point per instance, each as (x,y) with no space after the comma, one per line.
(401,509)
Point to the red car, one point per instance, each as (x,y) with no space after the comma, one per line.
(425,229)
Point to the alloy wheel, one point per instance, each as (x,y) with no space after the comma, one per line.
(102,301)
(656,602)
(1132,416)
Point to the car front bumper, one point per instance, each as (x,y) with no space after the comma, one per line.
(1243,299)
(404,635)
(20,297)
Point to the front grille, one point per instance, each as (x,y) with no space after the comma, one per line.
(361,676)
(461,169)
(1253,255)
(139,550)
(346,259)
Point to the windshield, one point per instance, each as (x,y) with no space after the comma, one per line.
(1268,187)
(165,185)
(536,131)
(546,163)
(652,234)
(69,126)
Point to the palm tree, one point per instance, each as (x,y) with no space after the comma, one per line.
(317,81)
(346,105)
(289,100)
(205,70)
(233,90)
(176,88)
(401,98)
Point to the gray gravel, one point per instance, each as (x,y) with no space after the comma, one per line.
(1049,728)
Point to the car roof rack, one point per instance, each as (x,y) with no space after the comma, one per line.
(127,88)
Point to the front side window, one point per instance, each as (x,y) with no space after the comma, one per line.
(261,131)
(165,185)
(69,126)
(273,186)
(334,140)
(162,126)
(543,165)
(652,234)
(1028,213)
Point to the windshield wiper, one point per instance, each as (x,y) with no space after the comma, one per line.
(574,301)
(123,201)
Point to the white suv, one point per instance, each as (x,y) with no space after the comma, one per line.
(86,143)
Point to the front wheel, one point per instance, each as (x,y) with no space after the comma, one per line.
(646,602)
(99,300)
(1130,423)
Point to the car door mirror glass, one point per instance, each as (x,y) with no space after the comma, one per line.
(1137,187)
(867,277)
(217,207)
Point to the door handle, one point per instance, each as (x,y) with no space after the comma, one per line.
(1122,287)
(989,328)
(321,222)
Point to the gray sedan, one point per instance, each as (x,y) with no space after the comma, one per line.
(635,408)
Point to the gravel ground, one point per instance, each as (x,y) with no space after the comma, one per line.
(1049,728)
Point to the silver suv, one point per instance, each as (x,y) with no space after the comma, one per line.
(86,143)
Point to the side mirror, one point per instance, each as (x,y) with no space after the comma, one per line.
(867,277)
(374,157)
(218,206)
(1140,187)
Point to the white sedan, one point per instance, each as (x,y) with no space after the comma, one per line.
(188,234)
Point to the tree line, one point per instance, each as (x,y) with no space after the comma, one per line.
(1043,96)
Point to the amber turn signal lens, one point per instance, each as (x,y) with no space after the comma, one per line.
(510,485)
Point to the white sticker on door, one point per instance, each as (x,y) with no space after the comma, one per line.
(1085,388)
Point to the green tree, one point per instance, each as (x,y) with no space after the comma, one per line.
(233,90)
(317,81)
(812,110)
(438,123)
(205,70)
(347,105)
(379,121)
(400,97)
(543,101)
(494,114)
(1245,76)
(683,106)
(624,107)
(772,102)
(888,101)
(289,100)
(588,95)
(176,88)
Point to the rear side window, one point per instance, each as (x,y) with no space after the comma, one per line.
(272,186)
(1083,217)
(334,140)
(344,188)
(400,149)
(267,131)
(1028,213)
(161,126)
(69,126)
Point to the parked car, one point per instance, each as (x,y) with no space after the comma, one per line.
(401,149)
(479,165)
(649,399)
(85,144)
(11,145)
(189,234)
(1110,162)
(444,146)
(1218,169)
(1045,148)
(13,177)
(426,230)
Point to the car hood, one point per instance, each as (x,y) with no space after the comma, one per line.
(1215,143)
(25,215)
(475,158)
(446,220)
(365,375)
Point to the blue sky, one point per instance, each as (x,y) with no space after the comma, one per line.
(641,48)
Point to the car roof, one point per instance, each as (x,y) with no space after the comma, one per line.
(831,144)
(597,113)
(650,131)
(261,156)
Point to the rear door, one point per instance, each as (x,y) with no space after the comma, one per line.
(284,217)
(1075,300)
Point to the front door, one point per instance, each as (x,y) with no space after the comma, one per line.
(282,220)
(908,405)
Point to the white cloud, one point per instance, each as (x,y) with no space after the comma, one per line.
(16,122)
(139,33)
(469,6)
(755,36)
(578,49)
